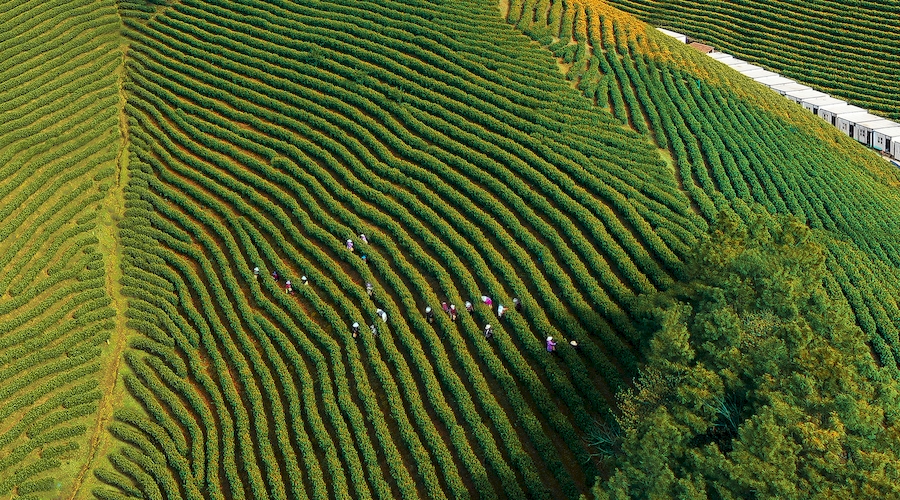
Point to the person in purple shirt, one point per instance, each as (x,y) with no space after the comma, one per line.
(551,345)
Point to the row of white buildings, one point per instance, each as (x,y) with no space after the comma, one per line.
(873,131)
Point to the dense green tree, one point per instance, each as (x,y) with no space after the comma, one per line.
(756,384)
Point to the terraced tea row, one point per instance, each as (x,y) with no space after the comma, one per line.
(848,50)
(726,150)
(58,144)
(265,136)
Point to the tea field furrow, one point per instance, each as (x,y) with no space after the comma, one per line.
(254,156)
(761,163)
(57,156)
(842,48)
(562,154)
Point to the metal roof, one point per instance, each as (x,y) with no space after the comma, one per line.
(876,123)
(774,80)
(893,132)
(758,73)
(674,34)
(743,66)
(823,101)
(886,128)
(851,116)
(701,47)
(791,87)
(841,108)
(730,60)
(806,94)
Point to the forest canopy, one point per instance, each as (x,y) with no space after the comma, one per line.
(757,384)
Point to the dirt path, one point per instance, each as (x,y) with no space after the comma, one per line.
(111,212)
(504,8)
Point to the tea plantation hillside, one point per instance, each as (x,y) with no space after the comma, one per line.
(733,143)
(266,136)
(847,49)
(383,157)
(59,140)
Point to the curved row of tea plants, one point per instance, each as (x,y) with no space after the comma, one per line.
(58,144)
(845,49)
(725,149)
(266,135)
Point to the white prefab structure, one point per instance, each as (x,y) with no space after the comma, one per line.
(678,36)
(733,62)
(846,121)
(743,67)
(884,138)
(799,95)
(729,60)
(813,103)
(784,88)
(774,80)
(830,112)
(758,73)
(871,130)
(864,132)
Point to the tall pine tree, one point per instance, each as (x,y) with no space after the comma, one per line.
(757,384)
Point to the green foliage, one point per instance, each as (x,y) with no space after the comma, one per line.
(757,383)
(44,484)
(57,147)
(733,152)
(839,47)
(267,133)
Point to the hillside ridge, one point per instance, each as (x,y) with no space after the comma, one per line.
(194,206)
